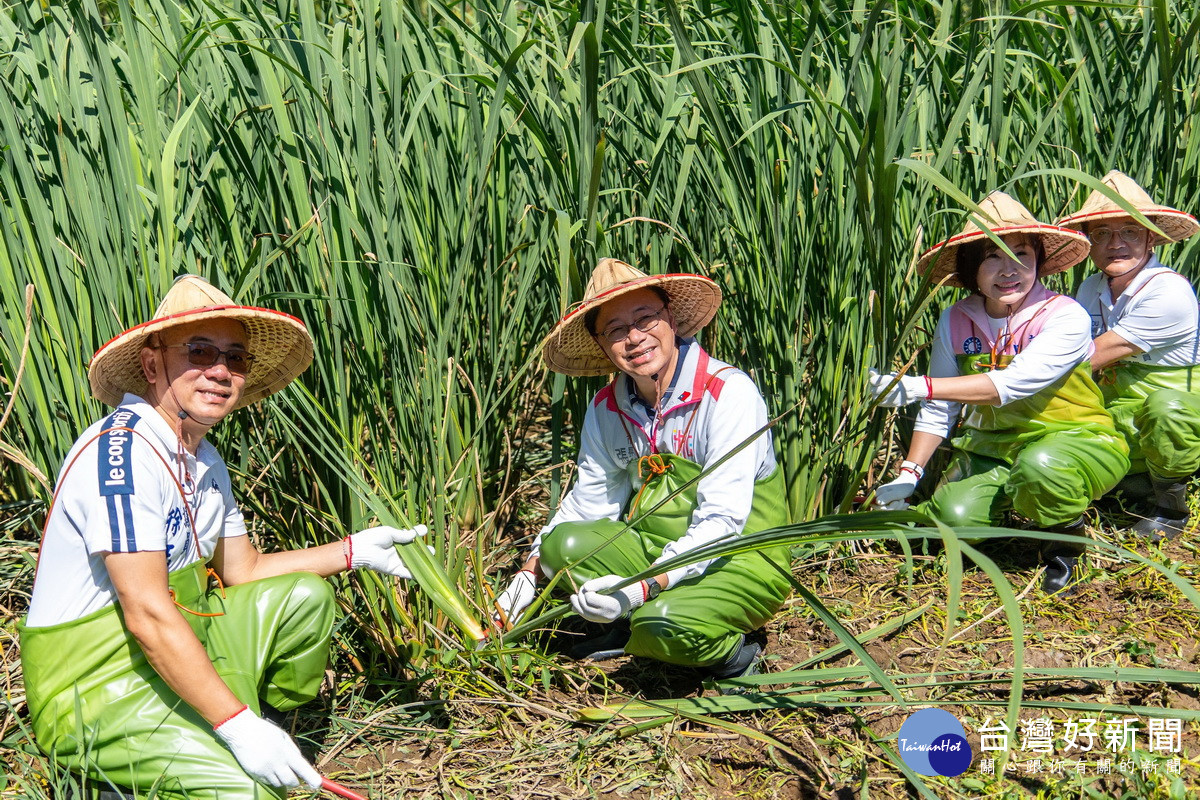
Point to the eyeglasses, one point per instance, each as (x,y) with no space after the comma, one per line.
(1130,233)
(200,354)
(642,323)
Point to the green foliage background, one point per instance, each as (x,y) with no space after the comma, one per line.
(428,185)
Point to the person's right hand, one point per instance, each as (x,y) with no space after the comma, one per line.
(265,751)
(892,391)
(375,548)
(517,597)
(893,496)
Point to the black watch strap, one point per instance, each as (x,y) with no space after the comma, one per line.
(651,588)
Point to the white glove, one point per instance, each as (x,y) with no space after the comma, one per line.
(894,496)
(594,601)
(908,389)
(375,548)
(517,597)
(266,753)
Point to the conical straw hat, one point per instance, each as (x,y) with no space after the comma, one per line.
(1064,248)
(1178,225)
(280,344)
(572,350)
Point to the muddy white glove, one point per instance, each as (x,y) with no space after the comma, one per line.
(907,389)
(597,601)
(893,496)
(517,597)
(375,548)
(266,753)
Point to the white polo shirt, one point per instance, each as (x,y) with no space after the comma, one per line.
(728,409)
(120,497)
(1157,313)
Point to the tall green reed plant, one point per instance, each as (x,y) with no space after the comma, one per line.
(428,186)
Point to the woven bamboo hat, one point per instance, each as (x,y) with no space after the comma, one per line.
(1178,225)
(280,343)
(572,350)
(1064,248)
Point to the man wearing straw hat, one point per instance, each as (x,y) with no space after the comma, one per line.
(138,673)
(658,429)
(1013,358)
(1144,319)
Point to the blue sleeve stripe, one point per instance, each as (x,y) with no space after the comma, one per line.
(127,509)
(113,525)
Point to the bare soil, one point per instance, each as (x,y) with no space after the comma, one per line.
(472,727)
(1122,615)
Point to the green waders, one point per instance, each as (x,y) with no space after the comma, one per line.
(99,708)
(1157,410)
(699,621)
(1045,457)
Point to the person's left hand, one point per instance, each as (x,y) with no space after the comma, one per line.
(598,602)
(907,389)
(375,548)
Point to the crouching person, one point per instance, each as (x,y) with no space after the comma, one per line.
(1147,359)
(1012,358)
(671,412)
(138,672)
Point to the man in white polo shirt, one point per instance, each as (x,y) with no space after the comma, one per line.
(1147,337)
(674,456)
(138,673)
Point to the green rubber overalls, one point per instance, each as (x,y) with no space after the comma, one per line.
(1046,457)
(1157,411)
(99,708)
(699,621)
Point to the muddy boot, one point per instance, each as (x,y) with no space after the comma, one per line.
(609,644)
(1064,562)
(1170,515)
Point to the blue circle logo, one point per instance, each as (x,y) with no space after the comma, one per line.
(932,742)
(972,346)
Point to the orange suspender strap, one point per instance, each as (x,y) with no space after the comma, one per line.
(183,495)
(1136,292)
(1108,375)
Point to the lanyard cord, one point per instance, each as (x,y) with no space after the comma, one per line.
(1008,338)
(178,485)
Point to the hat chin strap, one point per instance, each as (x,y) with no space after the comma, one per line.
(181,414)
(185,415)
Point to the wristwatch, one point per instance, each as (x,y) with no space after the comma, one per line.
(651,588)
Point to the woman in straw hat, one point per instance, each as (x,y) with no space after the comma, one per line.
(670,414)
(1144,318)
(1036,438)
(122,624)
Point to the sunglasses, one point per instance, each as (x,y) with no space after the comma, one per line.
(200,354)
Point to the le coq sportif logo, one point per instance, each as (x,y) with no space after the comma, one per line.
(933,742)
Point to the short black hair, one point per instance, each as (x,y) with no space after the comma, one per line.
(592,314)
(970,256)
